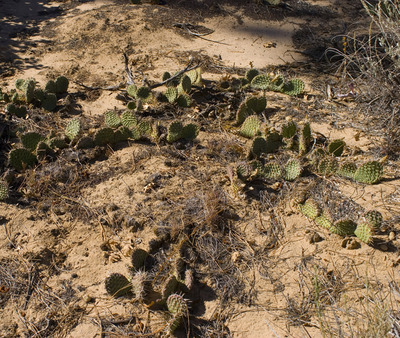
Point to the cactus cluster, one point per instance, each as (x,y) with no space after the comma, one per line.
(369,224)
(276,83)
(177,131)
(252,105)
(179,88)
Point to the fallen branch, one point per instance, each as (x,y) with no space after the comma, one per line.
(186,26)
(116,87)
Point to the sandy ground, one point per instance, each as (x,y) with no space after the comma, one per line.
(259,272)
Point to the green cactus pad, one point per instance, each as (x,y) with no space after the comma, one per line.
(259,146)
(242,113)
(293,87)
(336,147)
(50,87)
(19,84)
(143,93)
(190,131)
(250,127)
(117,285)
(184,101)
(85,142)
(364,232)
(305,138)
(138,259)
(17,111)
(374,218)
(111,119)
(135,134)
(243,170)
(256,103)
(73,129)
(193,76)
(145,128)
(29,89)
(369,173)
(39,94)
(3,190)
(277,83)
(261,82)
(22,158)
(30,140)
(170,286)
(166,76)
(324,220)
(177,305)
(251,74)
(122,134)
(289,129)
(347,169)
(343,227)
(328,166)
(43,150)
(104,136)
(128,119)
(292,170)
(185,84)
(310,209)
(175,130)
(171,94)
(57,142)
(272,171)
(49,102)
(132,89)
(61,84)
(131,105)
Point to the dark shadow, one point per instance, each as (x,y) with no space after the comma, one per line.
(20,19)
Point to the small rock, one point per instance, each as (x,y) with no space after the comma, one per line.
(344,242)
(235,256)
(383,247)
(89,299)
(74,275)
(315,237)
(353,244)
(392,236)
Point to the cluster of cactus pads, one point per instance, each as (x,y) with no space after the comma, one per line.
(324,161)
(177,131)
(138,285)
(365,229)
(28,93)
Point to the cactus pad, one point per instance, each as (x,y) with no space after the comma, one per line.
(128,119)
(138,259)
(347,169)
(183,101)
(170,286)
(49,102)
(117,285)
(22,158)
(293,87)
(243,170)
(3,190)
(364,232)
(50,87)
(132,89)
(369,173)
(143,93)
(336,147)
(174,131)
(250,127)
(61,84)
(185,84)
(251,74)
(343,227)
(171,94)
(374,218)
(177,305)
(272,171)
(112,119)
(104,136)
(30,140)
(190,131)
(328,166)
(256,103)
(289,129)
(310,209)
(17,111)
(261,82)
(85,142)
(293,170)
(242,113)
(73,129)
(324,220)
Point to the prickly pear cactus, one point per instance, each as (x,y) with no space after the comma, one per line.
(49,102)
(85,142)
(289,129)
(185,84)
(3,190)
(143,93)
(138,283)
(73,129)
(261,82)
(336,147)
(258,147)
(293,87)
(132,89)
(347,169)
(256,103)
(369,173)
(111,119)
(310,209)
(272,171)
(304,138)
(243,170)
(242,113)
(17,111)
(29,89)
(250,127)
(50,87)
(171,94)
(177,305)
(104,136)
(277,83)
(30,140)
(324,220)
(190,131)
(251,74)
(128,119)
(364,232)
(61,84)
(328,166)
(175,130)
(117,285)
(374,218)
(184,101)
(343,227)
(122,134)
(21,158)
(292,170)
(138,259)
(171,285)
(57,143)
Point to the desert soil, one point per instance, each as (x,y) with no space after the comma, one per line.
(260,268)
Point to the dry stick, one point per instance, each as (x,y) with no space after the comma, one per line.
(201,36)
(116,87)
(187,69)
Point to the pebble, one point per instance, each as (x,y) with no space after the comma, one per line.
(383,247)
(392,236)
(353,244)
(315,238)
